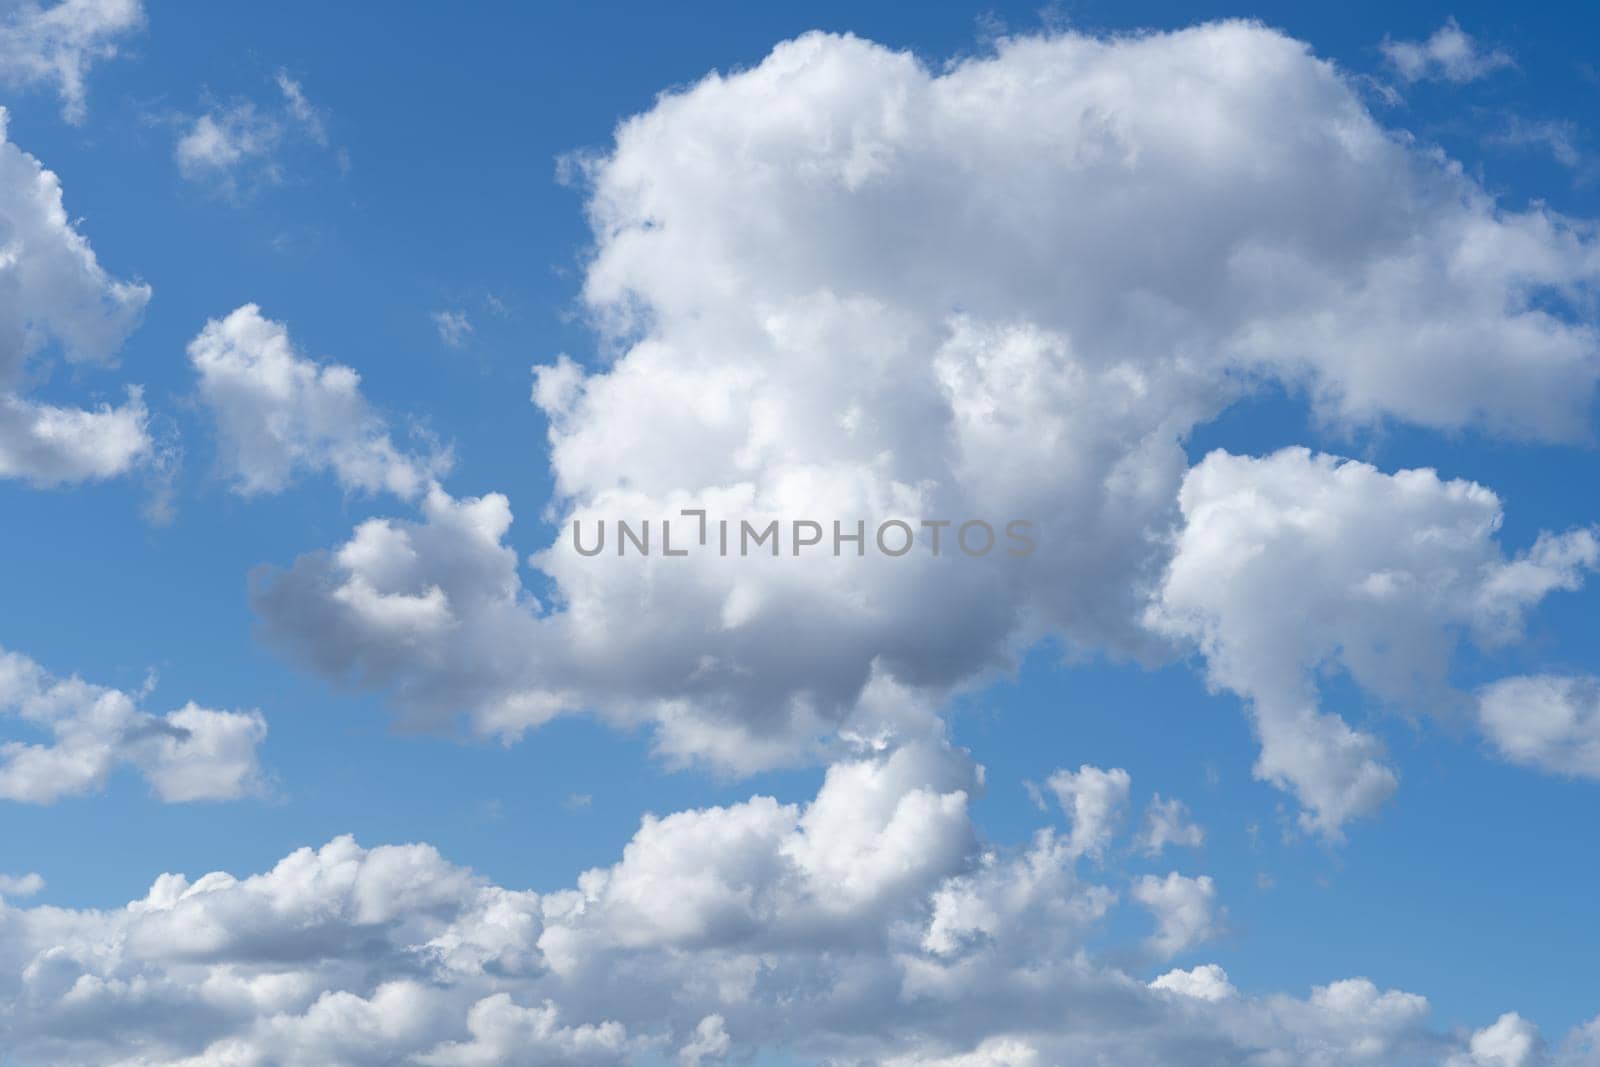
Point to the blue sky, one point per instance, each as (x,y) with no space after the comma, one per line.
(435,185)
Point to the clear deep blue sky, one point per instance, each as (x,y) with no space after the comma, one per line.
(451,126)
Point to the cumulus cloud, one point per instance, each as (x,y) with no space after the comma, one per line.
(1205,982)
(235,146)
(1511,1041)
(20,885)
(1291,565)
(58,45)
(711,1042)
(56,300)
(1184,910)
(868,925)
(189,754)
(1095,802)
(1166,823)
(1451,54)
(505,1033)
(278,413)
(793,340)
(1551,722)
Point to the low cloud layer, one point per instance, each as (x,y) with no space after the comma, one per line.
(869,925)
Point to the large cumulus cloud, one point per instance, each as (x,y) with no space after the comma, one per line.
(842,286)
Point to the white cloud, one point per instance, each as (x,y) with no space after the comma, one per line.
(1294,564)
(1205,982)
(710,1043)
(20,885)
(223,140)
(55,299)
(1095,801)
(1511,1041)
(1184,910)
(235,146)
(1451,54)
(57,45)
(1551,722)
(307,115)
(793,340)
(505,1034)
(1167,822)
(278,413)
(454,327)
(189,754)
(1558,138)
(866,926)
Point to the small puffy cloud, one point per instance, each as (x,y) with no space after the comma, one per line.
(235,146)
(190,754)
(1293,564)
(57,45)
(1095,802)
(1549,722)
(278,414)
(56,300)
(1205,982)
(454,327)
(1184,910)
(1511,1041)
(14,886)
(1166,823)
(1451,54)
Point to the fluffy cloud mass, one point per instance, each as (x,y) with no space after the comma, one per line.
(841,286)
(57,45)
(189,754)
(869,925)
(55,299)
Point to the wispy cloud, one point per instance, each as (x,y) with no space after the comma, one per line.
(1451,55)
(57,45)
(1557,138)
(454,327)
(237,146)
